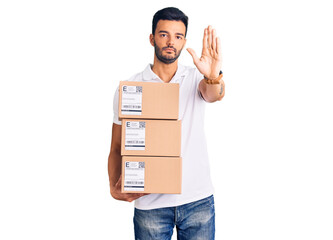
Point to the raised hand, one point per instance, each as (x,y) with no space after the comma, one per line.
(210,62)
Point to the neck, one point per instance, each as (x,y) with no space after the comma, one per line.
(164,71)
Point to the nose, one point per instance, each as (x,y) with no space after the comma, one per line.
(171,42)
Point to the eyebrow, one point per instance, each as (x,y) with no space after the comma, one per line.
(168,32)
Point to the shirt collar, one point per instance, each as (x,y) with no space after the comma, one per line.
(149,75)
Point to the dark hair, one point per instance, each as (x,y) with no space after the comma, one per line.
(170,13)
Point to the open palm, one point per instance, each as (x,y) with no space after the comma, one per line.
(210,62)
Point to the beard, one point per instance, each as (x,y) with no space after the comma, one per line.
(167,59)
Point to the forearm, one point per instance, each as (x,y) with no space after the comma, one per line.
(212,92)
(114,167)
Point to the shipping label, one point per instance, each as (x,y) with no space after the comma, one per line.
(131,102)
(135,135)
(134,178)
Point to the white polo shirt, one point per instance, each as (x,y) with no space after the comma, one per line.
(196,180)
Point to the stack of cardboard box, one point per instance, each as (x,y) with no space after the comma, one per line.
(150,137)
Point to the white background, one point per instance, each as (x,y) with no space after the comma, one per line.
(270,139)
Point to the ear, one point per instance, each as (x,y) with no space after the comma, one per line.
(151,39)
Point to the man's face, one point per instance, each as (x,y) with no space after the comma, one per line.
(168,40)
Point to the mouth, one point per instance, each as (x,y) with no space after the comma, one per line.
(167,49)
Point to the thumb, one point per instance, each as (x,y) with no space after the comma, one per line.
(193,54)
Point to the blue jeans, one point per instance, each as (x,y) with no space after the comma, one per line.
(193,221)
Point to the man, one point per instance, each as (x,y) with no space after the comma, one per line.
(192,211)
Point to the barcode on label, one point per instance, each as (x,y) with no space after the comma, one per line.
(134,182)
(141,164)
(134,141)
(131,106)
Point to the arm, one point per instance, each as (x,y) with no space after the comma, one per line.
(114,168)
(209,64)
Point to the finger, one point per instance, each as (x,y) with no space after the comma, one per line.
(218,46)
(193,54)
(129,197)
(141,194)
(135,196)
(205,39)
(214,39)
(209,36)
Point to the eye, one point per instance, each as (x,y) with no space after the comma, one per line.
(163,35)
(179,37)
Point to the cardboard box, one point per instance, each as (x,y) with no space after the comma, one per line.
(151,174)
(142,137)
(148,100)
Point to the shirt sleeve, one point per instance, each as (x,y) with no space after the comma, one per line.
(115,107)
